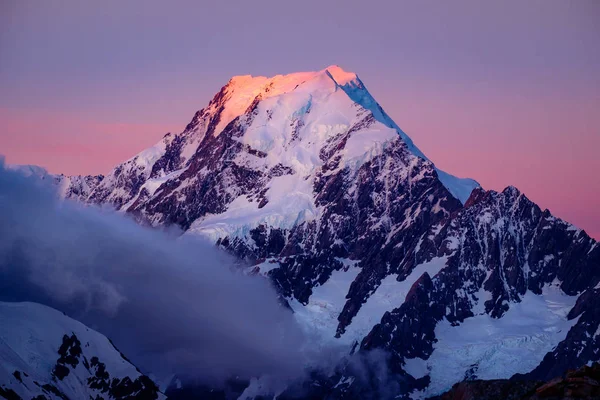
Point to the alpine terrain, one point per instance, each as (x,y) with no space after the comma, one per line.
(47,355)
(308,180)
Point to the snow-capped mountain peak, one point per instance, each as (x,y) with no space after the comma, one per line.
(340,76)
(285,120)
(241,91)
(307,178)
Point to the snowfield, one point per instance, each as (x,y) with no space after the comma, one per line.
(483,347)
(30,337)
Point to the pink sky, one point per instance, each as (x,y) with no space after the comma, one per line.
(72,145)
(506,93)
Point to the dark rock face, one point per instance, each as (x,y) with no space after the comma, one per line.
(9,394)
(142,388)
(583,383)
(128,176)
(413,319)
(488,390)
(99,380)
(70,352)
(208,184)
(171,160)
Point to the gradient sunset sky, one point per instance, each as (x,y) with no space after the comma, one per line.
(505,92)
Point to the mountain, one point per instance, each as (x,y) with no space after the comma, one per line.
(267,124)
(46,355)
(306,178)
(515,296)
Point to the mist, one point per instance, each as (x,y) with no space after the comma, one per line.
(172,305)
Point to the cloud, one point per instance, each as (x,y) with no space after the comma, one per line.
(172,306)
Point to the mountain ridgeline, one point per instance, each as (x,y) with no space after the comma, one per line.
(47,355)
(306,178)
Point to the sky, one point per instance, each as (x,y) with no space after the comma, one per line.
(507,93)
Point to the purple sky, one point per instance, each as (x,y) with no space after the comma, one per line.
(505,92)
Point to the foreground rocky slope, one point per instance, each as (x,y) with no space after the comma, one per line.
(47,355)
(583,383)
(306,178)
(517,286)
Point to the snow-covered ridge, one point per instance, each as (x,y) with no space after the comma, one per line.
(246,88)
(332,92)
(44,352)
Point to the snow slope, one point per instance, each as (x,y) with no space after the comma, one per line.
(30,338)
(483,347)
(390,294)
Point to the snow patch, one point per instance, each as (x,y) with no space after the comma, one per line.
(290,202)
(390,294)
(319,316)
(460,188)
(498,348)
(416,367)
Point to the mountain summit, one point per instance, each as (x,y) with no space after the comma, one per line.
(306,178)
(290,117)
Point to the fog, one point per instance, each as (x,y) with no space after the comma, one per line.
(173,306)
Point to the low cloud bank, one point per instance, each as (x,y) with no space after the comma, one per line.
(172,306)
